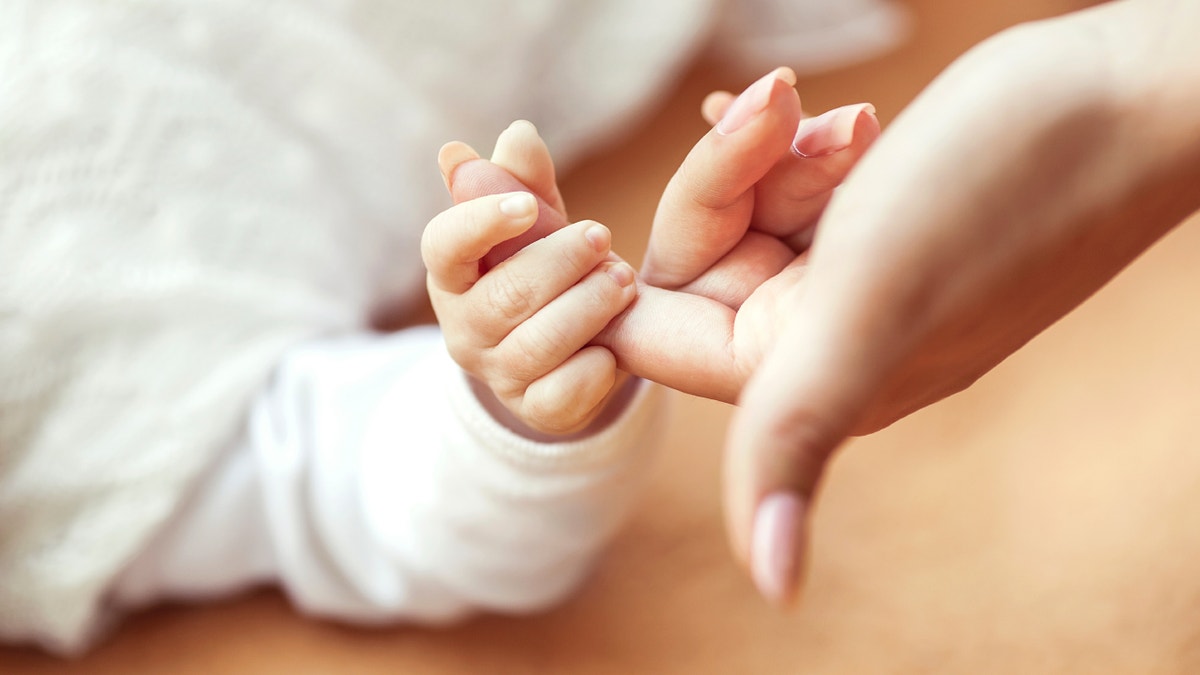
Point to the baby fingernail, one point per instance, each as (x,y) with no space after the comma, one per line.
(518,205)
(829,132)
(524,126)
(775,545)
(451,156)
(622,273)
(752,101)
(598,237)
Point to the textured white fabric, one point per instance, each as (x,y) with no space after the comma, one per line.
(373,486)
(190,188)
(809,35)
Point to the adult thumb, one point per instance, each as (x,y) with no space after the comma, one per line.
(803,400)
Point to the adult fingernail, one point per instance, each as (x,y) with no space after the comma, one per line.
(830,132)
(775,546)
(753,101)
(518,205)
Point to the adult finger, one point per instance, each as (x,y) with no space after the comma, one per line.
(796,409)
(840,338)
(678,339)
(707,206)
(825,148)
(792,196)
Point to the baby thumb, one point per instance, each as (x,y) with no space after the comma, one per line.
(469,177)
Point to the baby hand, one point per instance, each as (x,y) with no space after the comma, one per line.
(522,327)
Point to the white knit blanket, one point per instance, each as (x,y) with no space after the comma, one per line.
(190,187)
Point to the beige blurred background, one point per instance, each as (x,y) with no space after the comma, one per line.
(1045,521)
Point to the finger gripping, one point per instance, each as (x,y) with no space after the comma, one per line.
(479,177)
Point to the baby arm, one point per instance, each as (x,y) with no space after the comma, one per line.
(521,324)
(372,486)
(376,482)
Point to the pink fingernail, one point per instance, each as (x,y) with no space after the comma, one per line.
(752,101)
(775,546)
(829,132)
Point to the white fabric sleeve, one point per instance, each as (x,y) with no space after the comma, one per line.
(373,486)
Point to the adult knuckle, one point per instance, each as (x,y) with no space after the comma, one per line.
(808,440)
(702,189)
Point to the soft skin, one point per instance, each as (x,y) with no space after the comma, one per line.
(1021,181)
(520,294)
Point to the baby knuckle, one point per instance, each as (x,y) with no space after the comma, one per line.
(511,371)
(537,343)
(507,390)
(476,224)
(573,264)
(550,414)
(431,245)
(461,348)
(511,295)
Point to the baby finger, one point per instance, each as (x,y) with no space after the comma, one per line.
(567,323)
(568,397)
(458,238)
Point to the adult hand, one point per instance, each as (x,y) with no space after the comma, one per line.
(730,228)
(1028,175)
(728,250)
